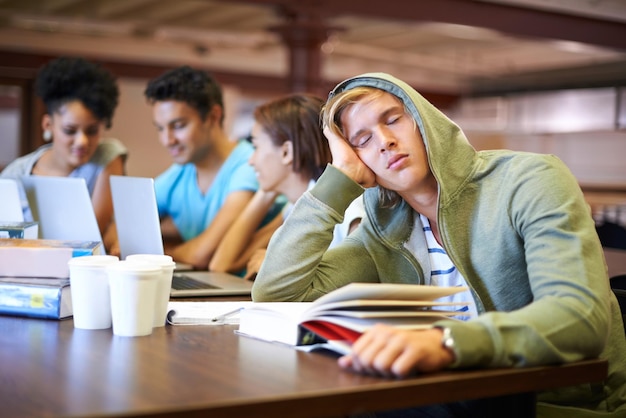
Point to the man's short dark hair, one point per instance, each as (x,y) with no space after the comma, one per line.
(184,84)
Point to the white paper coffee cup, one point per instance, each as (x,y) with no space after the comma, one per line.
(133,297)
(164,284)
(89,287)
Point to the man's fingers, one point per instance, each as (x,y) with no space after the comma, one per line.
(332,136)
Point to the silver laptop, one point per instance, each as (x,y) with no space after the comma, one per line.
(11,207)
(62,207)
(139,232)
(137,217)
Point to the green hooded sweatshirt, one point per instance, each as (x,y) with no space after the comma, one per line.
(517,228)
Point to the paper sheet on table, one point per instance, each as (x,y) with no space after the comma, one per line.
(205,313)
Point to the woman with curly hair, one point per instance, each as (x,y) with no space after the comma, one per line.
(80,98)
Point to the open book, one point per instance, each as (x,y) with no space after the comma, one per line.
(344,314)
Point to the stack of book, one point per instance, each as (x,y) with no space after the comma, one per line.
(34,276)
(29,230)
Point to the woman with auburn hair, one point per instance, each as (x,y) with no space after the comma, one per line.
(290,153)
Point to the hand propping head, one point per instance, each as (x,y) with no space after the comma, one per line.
(346,159)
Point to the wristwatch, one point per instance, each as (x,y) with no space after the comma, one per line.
(447,341)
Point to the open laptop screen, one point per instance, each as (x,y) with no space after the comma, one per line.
(136,215)
(62,207)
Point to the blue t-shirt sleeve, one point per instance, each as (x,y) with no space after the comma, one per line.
(163,188)
(242,176)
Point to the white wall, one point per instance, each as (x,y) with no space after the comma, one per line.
(595,158)
(9,137)
(132,124)
(581,125)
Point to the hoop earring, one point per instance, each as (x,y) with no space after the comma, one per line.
(47,135)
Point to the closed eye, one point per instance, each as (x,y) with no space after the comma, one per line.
(361,141)
(393,119)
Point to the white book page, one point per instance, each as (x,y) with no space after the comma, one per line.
(383,314)
(379,304)
(392,291)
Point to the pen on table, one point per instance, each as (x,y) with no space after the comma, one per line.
(226,315)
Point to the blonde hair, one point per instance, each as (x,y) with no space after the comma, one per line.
(331,117)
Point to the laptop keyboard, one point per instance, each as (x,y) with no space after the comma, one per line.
(184,282)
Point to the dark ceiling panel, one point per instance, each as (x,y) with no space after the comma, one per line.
(507,19)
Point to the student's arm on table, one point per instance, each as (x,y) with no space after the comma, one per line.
(254,264)
(110,240)
(169,231)
(244,236)
(171,236)
(259,242)
(198,251)
(258,246)
(101,198)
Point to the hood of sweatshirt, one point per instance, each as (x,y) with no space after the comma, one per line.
(451,157)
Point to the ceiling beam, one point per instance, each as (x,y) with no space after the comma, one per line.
(507,19)
(610,74)
(18,66)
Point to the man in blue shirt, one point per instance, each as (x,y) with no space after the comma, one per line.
(210,182)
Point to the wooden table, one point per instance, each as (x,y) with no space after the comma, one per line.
(50,369)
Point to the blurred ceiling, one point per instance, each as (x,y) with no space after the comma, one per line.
(456,46)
